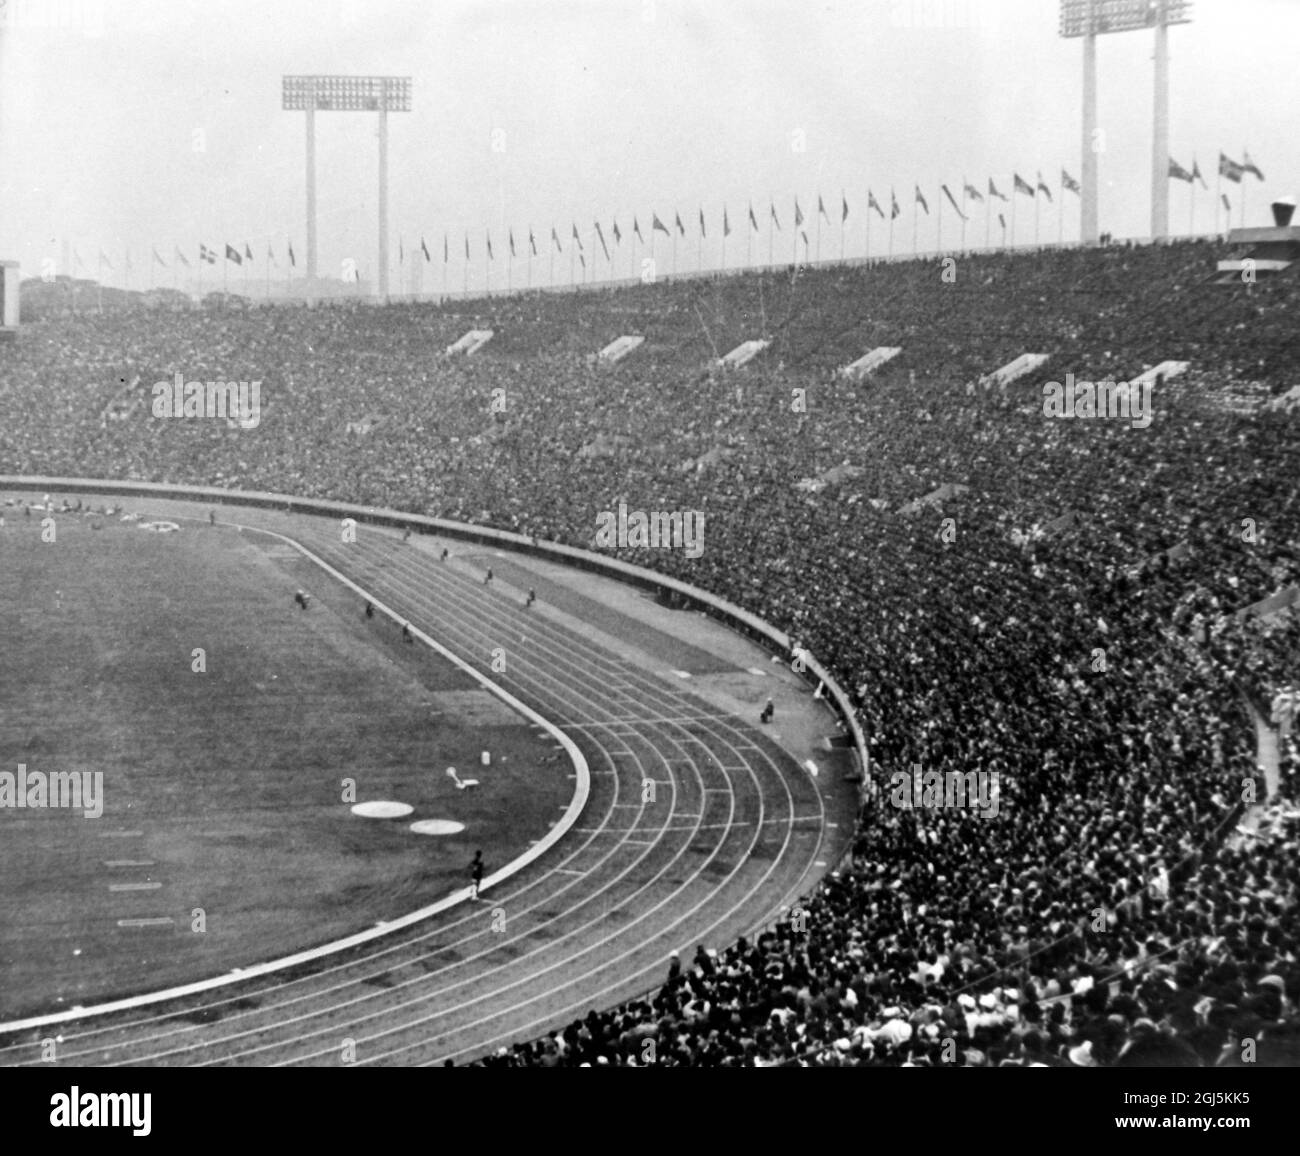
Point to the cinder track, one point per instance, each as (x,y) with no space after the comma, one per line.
(736,832)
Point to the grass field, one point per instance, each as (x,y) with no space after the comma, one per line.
(225,790)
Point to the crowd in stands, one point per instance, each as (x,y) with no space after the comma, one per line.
(1071,621)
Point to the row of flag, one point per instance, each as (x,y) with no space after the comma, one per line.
(206,256)
(1228,168)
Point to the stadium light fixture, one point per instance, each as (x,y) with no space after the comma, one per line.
(1088,19)
(381,94)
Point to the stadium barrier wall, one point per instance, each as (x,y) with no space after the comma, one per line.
(732,615)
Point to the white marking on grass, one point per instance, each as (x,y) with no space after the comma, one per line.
(160,921)
(134,886)
(128,863)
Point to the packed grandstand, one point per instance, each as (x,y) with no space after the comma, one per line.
(1076,628)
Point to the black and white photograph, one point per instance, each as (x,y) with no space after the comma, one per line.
(649,534)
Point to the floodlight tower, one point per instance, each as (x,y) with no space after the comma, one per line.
(381,94)
(1089,19)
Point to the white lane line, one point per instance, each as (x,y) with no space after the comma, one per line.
(163,921)
(120,834)
(128,863)
(134,886)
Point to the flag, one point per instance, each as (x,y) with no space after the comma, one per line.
(583,260)
(466,246)
(844,208)
(424,249)
(894,210)
(1178,173)
(1230,169)
(206,254)
(511,237)
(920,200)
(446,250)
(680,227)
(270,255)
(78,263)
(872,203)
(993,191)
(401,251)
(532,241)
(1196,173)
(798,213)
(232,254)
(618,237)
(1250,166)
(804,234)
(822,208)
(179,256)
(1227,204)
(752,219)
(1021,186)
(577,238)
(726,223)
(775,219)
(103,259)
(953,202)
(702,232)
(1042,185)
(248,252)
(158,260)
(1069,183)
(601,235)
(656,223)
(1003,222)
(488,232)
(970,192)
(636,229)
(556,238)
(292,259)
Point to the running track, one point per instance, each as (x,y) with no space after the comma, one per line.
(737,832)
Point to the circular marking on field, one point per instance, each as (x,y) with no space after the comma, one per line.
(437,827)
(160,527)
(382,809)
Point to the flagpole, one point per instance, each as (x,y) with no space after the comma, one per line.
(867,254)
(771,220)
(938,222)
(1037,200)
(819,229)
(1218,194)
(916,217)
(725,223)
(1060,219)
(1013,216)
(268,268)
(988,220)
(795,231)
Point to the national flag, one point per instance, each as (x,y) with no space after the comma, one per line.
(1022,186)
(1069,183)
(844,208)
(702,232)
(804,234)
(920,200)
(618,236)
(510,236)
(1042,186)
(248,252)
(726,223)
(270,255)
(206,254)
(971,193)
(556,238)
(775,219)
(1227,204)
(636,229)
(601,235)
(293,261)
(1003,222)
(179,256)
(822,208)
(993,191)
(424,249)
(466,246)
(158,260)
(488,233)
(581,249)
(232,254)
(1230,169)
(953,202)
(798,213)
(532,241)
(1250,166)
(583,260)
(1196,173)
(103,259)
(872,203)
(752,219)
(680,227)
(656,223)
(894,210)
(1178,173)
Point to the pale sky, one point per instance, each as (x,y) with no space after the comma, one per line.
(130,124)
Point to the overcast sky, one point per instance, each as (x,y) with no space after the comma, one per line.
(129,124)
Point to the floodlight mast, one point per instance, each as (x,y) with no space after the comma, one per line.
(1088,19)
(382,94)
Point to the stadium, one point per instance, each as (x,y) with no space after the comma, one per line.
(818,689)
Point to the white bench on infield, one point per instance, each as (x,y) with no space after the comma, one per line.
(745,351)
(472,342)
(1167,369)
(619,348)
(1025,363)
(870,362)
